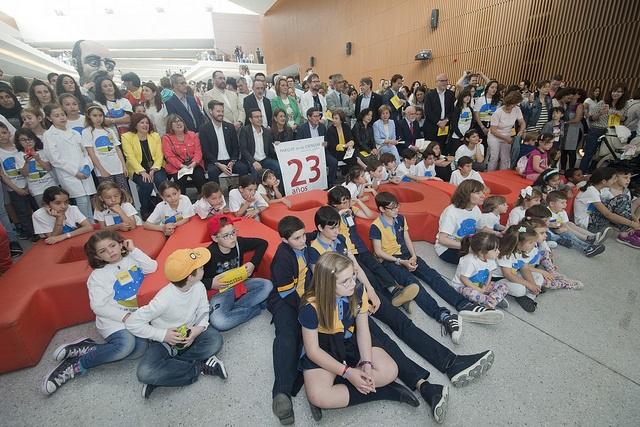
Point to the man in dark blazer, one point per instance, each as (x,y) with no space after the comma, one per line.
(256,146)
(184,105)
(374,99)
(394,90)
(435,117)
(408,129)
(259,101)
(219,142)
(313,127)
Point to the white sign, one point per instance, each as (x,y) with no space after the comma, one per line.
(303,165)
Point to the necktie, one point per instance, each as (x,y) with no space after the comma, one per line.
(340,97)
(411,127)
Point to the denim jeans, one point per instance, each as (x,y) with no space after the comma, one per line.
(577,242)
(119,345)
(227,313)
(287,345)
(452,256)
(159,368)
(591,147)
(266,163)
(5,220)
(332,166)
(23,205)
(146,188)
(84,204)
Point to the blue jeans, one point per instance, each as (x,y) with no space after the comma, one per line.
(332,166)
(5,220)
(84,204)
(577,243)
(159,368)
(266,163)
(146,188)
(591,147)
(119,345)
(227,313)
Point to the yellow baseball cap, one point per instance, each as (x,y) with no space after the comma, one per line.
(181,263)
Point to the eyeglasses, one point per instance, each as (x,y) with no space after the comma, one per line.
(94,62)
(229,235)
(347,282)
(392,207)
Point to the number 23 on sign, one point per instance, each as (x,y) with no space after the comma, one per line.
(312,162)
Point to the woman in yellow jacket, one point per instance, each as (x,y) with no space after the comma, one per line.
(143,152)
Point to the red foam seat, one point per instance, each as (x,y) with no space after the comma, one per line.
(46,290)
(303,206)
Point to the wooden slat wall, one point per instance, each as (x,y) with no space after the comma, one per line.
(589,42)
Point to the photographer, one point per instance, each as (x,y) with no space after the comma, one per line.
(183,154)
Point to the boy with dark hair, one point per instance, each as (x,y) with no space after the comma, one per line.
(392,243)
(465,171)
(290,274)
(388,160)
(240,296)
(176,321)
(458,368)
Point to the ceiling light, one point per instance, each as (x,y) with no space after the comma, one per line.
(59,12)
(160,9)
(108,11)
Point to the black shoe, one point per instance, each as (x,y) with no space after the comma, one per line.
(64,372)
(452,326)
(214,366)
(22,235)
(466,369)
(35,238)
(282,407)
(404,394)
(594,250)
(147,389)
(15,248)
(74,349)
(527,304)
(475,313)
(565,242)
(316,412)
(437,397)
(404,295)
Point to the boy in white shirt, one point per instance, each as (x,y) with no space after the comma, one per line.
(176,322)
(406,170)
(426,169)
(388,160)
(245,201)
(465,171)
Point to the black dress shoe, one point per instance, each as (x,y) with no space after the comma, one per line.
(404,394)
(283,409)
(316,412)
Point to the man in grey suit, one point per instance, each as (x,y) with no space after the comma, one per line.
(337,100)
(256,146)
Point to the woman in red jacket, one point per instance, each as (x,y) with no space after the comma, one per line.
(183,154)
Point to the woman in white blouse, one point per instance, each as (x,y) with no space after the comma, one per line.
(154,106)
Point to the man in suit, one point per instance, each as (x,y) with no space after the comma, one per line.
(259,101)
(256,146)
(233,108)
(396,83)
(312,98)
(220,147)
(315,128)
(409,129)
(439,106)
(338,100)
(184,105)
(368,98)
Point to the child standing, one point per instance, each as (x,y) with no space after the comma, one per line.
(70,162)
(555,126)
(337,342)
(426,169)
(34,165)
(118,271)
(465,171)
(473,274)
(459,219)
(33,119)
(14,179)
(473,149)
(172,212)
(538,159)
(243,201)
(269,189)
(492,208)
(529,196)
(182,346)
(227,253)
(211,201)
(71,107)
(103,148)
(56,220)
(113,209)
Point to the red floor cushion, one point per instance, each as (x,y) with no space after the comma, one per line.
(303,206)
(46,291)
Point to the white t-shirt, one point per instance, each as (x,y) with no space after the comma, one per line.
(422,170)
(402,171)
(236,200)
(463,150)
(484,108)
(109,217)
(515,261)
(457,223)
(77,124)
(533,257)
(164,214)
(583,206)
(104,143)
(516,215)
(457,178)
(474,269)
(488,220)
(44,223)
(464,121)
(354,189)
(39,179)
(559,217)
(117,109)
(10,165)
(204,210)
(504,122)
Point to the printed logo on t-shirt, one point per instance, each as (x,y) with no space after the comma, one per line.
(173,218)
(516,266)
(67,228)
(467,228)
(104,144)
(112,220)
(126,287)
(116,112)
(36,171)
(428,173)
(78,129)
(480,278)
(591,208)
(486,111)
(9,166)
(465,118)
(535,260)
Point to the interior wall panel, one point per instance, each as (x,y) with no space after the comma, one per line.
(589,42)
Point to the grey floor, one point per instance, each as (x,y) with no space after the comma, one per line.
(575,361)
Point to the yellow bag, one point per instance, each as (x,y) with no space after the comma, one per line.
(231,278)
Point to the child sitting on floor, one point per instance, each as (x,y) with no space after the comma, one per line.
(356,183)
(174,211)
(492,208)
(245,201)
(388,160)
(529,196)
(375,173)
(464,172)
(112,208)
(426,169)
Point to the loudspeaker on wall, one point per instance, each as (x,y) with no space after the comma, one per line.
(348,48)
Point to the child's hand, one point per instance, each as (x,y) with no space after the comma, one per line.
(435,178)
(277,184)
(81,176)
(22,191)
(54,213)
(173,337)
(548,277)
(374,302)
(360,380)
(287,202)
(55,239)
(124,226)
(195,331)
(128,245)
(250,268)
